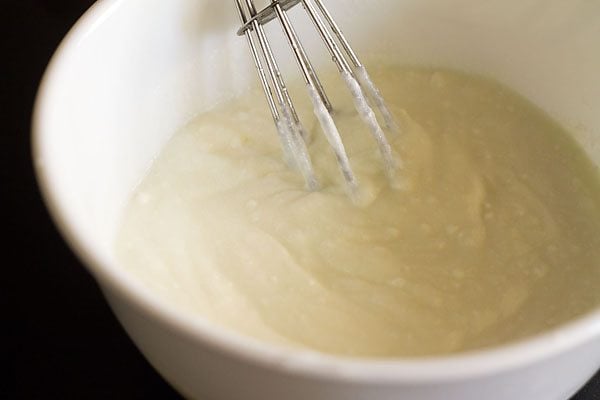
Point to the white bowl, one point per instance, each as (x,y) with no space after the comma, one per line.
(131,72)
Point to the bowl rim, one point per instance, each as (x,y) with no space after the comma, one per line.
(313,364)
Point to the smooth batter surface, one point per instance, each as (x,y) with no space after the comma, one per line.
(493,236)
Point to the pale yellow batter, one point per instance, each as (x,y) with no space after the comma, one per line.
(493,236)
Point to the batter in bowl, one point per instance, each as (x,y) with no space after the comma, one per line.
(493,234)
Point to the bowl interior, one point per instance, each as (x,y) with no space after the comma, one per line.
(135,71)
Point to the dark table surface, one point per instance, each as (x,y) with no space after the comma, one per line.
(65,344)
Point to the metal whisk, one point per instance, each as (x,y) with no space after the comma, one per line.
(354,74)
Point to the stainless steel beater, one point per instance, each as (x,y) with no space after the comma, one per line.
(354,74)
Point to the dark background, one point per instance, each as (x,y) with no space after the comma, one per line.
(65,342)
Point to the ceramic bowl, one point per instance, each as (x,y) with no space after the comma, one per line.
(132,72)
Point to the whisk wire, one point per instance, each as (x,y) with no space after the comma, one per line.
(258,64)
(353,72)
(304,63)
